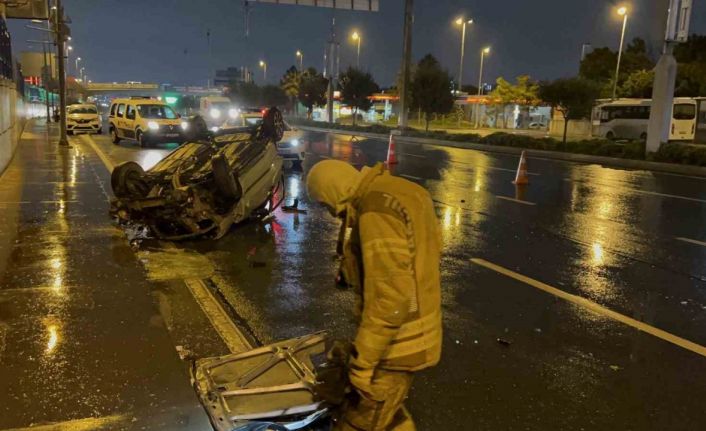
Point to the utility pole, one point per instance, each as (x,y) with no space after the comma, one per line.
(677,23)
(406,62)
(59,29)
(331,69)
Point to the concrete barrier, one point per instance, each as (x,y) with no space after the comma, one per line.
(14,113)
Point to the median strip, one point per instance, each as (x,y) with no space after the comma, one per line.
(596,308)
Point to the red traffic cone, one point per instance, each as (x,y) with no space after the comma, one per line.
(391,153)
(522,178)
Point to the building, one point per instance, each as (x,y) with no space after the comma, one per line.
(238,74)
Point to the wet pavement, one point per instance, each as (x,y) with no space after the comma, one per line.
(516,355)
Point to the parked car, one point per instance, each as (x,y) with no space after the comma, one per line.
(537,126)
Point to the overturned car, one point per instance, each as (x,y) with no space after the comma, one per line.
(206,185)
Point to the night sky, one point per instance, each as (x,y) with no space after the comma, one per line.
(164,41)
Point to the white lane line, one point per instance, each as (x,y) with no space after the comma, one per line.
(596,308)
(104,158)
(692,241)
(413,155)
(514,171)
(231,335)
(411,177)
(644,192)
(505,198)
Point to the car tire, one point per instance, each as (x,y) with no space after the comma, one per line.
(610,136)
(225,181)
(99,131)
(127,181)
(114,138)
(141,139)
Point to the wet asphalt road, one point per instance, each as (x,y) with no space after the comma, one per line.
(629,241)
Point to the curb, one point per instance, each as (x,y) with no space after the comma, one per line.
(644,165)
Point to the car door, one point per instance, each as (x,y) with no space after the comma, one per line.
(130,120)
(120,120)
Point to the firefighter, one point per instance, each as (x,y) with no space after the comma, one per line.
(390,245)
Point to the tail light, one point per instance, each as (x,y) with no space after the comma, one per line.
(263,112)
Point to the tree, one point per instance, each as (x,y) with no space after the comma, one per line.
(290,85)
(356,88)
(638,85)
(692,51)
(431,89)
(600,64)
(524,92)
(572,97)
(691,80)
(312,90)
(272,95)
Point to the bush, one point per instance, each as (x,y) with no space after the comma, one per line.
(687,154)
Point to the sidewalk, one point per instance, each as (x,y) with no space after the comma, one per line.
(82,345)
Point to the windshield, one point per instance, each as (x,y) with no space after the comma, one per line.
(82,110)
(157,111)
(684,111)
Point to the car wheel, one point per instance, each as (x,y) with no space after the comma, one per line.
(141,139)
(127,181)
(610,136)
(114,138)
(99,131)
(226,184)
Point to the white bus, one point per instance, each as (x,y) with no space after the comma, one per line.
(628,118)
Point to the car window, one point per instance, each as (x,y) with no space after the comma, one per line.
(157,112)
(130,115)
(112,110)
(82,110)
(121,110)
(684,111)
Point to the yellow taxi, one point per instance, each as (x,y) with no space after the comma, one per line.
(145,120)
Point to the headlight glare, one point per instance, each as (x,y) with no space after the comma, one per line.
(152,125)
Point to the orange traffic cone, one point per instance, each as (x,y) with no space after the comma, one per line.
(391,153)
(522,178)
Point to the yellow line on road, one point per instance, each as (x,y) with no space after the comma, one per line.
(506,198)
(104,158)
(596,308)
(231,335)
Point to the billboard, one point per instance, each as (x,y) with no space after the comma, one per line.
(27,9)
(364,5)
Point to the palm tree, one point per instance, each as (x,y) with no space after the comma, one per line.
(290,83)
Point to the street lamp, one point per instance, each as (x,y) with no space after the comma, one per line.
(263,65)
(300,56)
(623,11)
(357,37)
(483,53)
(77,60)
(462,22)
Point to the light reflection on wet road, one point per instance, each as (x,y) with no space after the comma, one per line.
(608,235)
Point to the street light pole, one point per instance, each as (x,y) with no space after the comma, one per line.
(59,32)
(300,55)
(623,11)
(263,65)
(406,62)
(462,22)
(357,37)
(484,51)
(77,60)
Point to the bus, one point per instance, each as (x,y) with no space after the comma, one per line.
(628,119)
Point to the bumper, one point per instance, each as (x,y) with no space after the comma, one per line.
(160,136)
(83,127)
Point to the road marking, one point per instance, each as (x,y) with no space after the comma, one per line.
(414,155)
(692,241)
(104,158)
(411,177)
(505,198)
(88,424)
(495,168)
(645,192)
(231,335)
(596,308)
